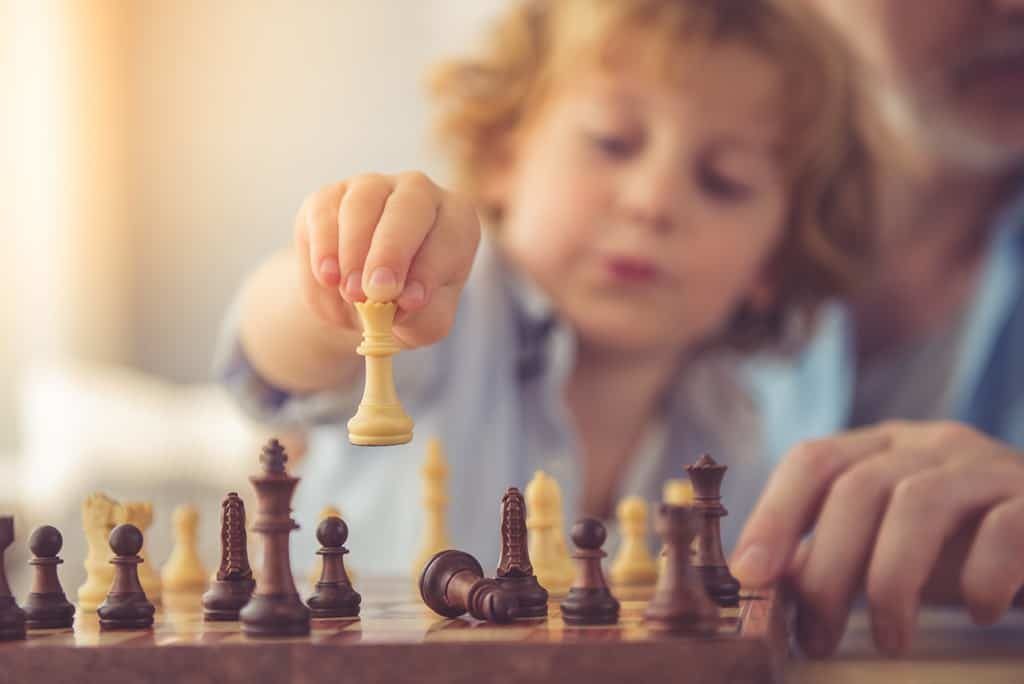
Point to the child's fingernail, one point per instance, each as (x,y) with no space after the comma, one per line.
(383,279)
(755,566)
(330,273)
(413,295)
(354,286)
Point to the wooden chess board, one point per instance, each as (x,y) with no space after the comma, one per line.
(397,640)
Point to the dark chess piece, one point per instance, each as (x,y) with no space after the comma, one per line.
(709,559)
(453,583)
(47,607)
(126,606)
(12,618)
(334,596)
(515,573)
(680,602)
(275,609)
(589,601)
(234,584)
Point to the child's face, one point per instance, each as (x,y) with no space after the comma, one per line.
(646,209)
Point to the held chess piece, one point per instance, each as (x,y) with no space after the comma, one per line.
(140,514)
(680,602)
(126,606)
(453,583)
(435,502)
(47,607)
(12,618)
(334,596)
(544,521)
(380,419)
(99,515)
(275,609)
(633,565)
(589,601)
(234,583)
(515,573)
(709,559)
(183,574)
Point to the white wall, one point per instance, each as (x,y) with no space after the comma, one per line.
(238,110)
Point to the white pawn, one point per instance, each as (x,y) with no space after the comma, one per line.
(318,566)
(140,514)
(99,515)
(548,552)
(677,492)
(183,574)
(435,503)
(633,565)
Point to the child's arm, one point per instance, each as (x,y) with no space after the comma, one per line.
(385,237)
(889,505)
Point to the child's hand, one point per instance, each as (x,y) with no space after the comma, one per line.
(887,505)
(387,238)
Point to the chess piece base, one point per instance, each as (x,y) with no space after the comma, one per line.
(530,595)
(49,611)
(226,598)
(12,620)
(127,611)
(379,440)
(334,601)
(722,587)
(279,615)
(594,606)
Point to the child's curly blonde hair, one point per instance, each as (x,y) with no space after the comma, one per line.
(487,99)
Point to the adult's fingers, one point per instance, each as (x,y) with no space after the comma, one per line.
(791,498)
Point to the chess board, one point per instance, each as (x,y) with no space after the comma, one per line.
(398,640)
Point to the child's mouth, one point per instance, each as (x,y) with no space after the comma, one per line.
(631,270)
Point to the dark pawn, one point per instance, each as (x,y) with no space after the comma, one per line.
(453,583)
(234,584)
(12,618)
(126,606)
(515,572)
(680,602)
(589,601)
(334,596)
(706,475)
(47,607)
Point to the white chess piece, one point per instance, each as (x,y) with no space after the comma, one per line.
(183,573)
(435,502)
(544,522)
(677,492)
(99,515)
(633,564)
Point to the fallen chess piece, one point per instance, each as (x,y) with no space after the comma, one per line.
(126,606)
(47,607)
(453,584)
(334,596)
(589,601)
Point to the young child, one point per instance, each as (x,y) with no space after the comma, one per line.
(666,184)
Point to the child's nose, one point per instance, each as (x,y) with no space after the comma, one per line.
(654,198)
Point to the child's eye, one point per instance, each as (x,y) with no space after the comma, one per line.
(614,146)
(721,187)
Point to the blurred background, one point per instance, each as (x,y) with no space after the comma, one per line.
(153,151)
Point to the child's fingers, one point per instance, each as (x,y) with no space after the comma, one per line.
(445,257)
(994,572)
(924,512)
(431,323)
(844,536)
(409,214)
(319,230)
(325,302)
(357,218)
(791,498)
